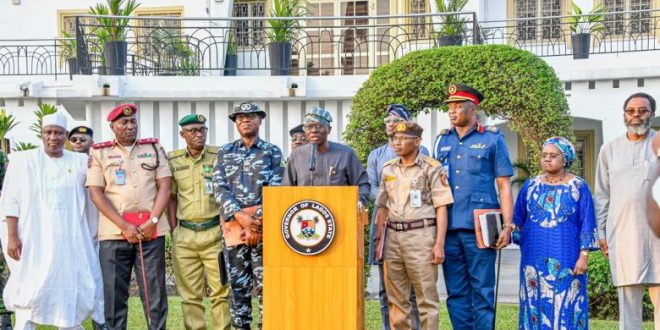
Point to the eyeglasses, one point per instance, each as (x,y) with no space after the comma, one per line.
(195,131)
(312,126)
(393,120)
(299,137)
(399,139)
(76,139)
(552,155)
(641,112)
(246,117)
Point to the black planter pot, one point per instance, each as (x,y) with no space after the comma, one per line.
(581,45)
(115,57)
(101,70)
(280,58)
(231,63)
(73,65)
(455,40)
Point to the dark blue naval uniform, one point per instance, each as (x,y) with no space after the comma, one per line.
(472,162)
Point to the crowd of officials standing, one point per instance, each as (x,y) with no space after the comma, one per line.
(80,222)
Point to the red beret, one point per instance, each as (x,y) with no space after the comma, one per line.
(126,109)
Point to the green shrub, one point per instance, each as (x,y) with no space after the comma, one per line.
(519,87)
(603,299)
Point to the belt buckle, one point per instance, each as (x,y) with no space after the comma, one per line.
(399,226)
(198,226)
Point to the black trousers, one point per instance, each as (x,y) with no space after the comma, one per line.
(118,259)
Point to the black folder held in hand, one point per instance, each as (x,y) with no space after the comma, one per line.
(487,227)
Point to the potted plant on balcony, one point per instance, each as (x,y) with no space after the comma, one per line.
(583,26)
(113,32)
(282,32)
(69,52)
(453,26)
(231,60)
(174,55)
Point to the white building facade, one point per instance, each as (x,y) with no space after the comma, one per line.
(329,63)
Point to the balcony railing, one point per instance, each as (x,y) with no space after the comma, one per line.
(322,45)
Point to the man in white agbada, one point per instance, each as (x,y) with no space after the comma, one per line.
(55,276)
(626,166)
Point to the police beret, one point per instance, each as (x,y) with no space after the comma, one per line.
(126,109)
(82,130)
(460,93)
(318,115)
(409,128)
(192,119)
(246,108)
(296,130)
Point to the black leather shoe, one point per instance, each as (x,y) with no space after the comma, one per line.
(97,326)
(5,321)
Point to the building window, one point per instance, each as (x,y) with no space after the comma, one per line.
(634,23)
(249,32)
(538,29)
(418,25)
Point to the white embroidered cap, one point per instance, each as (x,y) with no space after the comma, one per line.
(56,119)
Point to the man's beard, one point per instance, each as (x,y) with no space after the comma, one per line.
(639,129)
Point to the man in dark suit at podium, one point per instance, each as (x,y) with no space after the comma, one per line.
(324,163)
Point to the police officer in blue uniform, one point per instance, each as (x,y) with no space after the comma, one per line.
(475,158)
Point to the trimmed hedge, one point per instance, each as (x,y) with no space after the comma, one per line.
(519,87)
(603,299)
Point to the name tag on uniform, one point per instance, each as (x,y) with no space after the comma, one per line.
(415,198)
(246,165)
(208,185)
(120,177)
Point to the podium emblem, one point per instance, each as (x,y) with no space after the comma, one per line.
(308,227)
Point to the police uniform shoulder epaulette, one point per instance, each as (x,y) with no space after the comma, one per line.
(391,161)
(147,141)
(431,161)
(176,153)
(492,129)
(444,132)
(213,149)
(102,145)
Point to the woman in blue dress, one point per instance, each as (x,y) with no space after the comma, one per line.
(555,228)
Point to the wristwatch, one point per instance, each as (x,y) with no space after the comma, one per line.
(584,253)
(154,219)
(509,226)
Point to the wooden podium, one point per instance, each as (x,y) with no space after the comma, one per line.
(311,292)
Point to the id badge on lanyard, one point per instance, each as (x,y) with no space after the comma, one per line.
(415,195)
(120,177)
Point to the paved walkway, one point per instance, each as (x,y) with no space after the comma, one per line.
(508,288)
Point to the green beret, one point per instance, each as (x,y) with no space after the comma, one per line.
(192,119)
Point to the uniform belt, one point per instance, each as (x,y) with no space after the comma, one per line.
(199,226)
(410,225)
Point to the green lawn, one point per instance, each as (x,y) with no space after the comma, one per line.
(507,317)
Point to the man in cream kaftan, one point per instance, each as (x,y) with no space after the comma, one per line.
(625,168)
(55,272)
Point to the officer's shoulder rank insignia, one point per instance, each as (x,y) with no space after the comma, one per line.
(147,141)
(390,162)
(432,162)
(492,129)
(176,153)
(213,149)
(444,132)
(389,178)
(102,145)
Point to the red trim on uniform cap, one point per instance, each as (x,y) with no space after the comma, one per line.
(467,95)
(119,110)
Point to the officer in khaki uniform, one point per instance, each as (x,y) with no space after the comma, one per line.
(196,235)
(129,181)
(414,193)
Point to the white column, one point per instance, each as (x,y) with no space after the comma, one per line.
(183,108)
(278,132)
(331,107)
(104,108)
(146,119)
(221,124)
(167,130)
